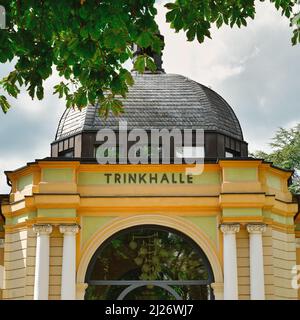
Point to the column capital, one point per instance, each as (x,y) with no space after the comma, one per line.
(42,229)
(230,228)
(70,229)
(256,228)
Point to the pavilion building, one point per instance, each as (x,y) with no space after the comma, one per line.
(73,228)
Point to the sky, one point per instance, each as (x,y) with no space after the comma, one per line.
(255,69)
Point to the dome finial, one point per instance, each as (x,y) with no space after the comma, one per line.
(157,57)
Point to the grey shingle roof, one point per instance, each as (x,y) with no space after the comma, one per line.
(160,101)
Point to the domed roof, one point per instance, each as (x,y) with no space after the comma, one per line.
(160,101)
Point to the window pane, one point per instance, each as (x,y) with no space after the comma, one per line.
(149,254)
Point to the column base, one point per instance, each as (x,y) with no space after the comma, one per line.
(80,290)
(218,289)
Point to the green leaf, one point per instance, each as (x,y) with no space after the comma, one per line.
(109,103)
(80,98)
(61,89)
(296,37)
(157,45)
(171,15)
(244,22)
(153,11)
(9,84)
(144,40)
(129,79)
(117,107)
(191,33)
(40,92)
(4,104)
(83,12)
(45,71)
(150,64)
(84,33)
(31,90)
(219,21)
(171,6)
(139,64)
(116,85)
(200,35)
(178,23)
(92,96)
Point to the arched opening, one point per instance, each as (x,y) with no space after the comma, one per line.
(149,262)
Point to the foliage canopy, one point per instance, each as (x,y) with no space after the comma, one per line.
(89,41)
(286,153)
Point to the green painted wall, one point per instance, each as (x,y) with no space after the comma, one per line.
(207,178)
(57,175)
(92,224)
(25,181)
(273,182)
(278,218)
(240,174)
(207,224)
(56,213)
(99,178)
(91,178)
(242,212)
(21,218)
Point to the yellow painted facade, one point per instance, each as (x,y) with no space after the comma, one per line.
(230,191)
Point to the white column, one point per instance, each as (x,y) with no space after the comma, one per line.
(257,282)
(2,270)
(230,261)
(68,280)
(41,278)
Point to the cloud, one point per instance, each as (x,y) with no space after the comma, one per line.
(27,130)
